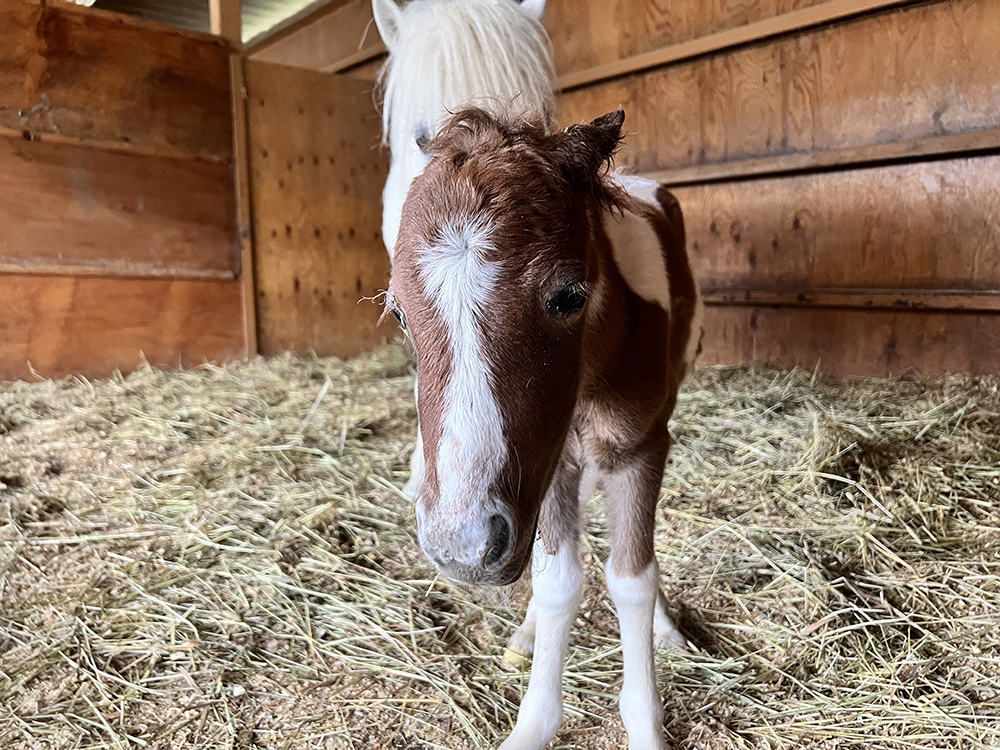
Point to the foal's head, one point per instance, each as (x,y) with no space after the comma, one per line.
(491,280)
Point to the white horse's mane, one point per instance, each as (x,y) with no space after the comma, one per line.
(452,53)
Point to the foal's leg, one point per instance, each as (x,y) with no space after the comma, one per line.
(522,643)
(556,581)
(633,580)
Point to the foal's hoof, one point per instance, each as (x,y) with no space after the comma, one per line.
(515,658)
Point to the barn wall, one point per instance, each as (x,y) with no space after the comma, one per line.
(118,216)
(316,182)
(836,161)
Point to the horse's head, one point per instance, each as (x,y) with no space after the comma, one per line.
(492,281)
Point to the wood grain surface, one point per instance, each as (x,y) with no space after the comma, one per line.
(926,70)
(845,342)
(70,207)
(59,326)
(928,225)
(99,77)
(316,174)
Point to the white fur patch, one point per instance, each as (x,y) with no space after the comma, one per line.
(638,255)
(459,283)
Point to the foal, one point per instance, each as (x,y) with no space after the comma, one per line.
(551,307)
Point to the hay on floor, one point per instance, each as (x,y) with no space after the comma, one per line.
(220,558)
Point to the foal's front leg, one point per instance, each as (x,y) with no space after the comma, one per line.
(556,582)
(632,490)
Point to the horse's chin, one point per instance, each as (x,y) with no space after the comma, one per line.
(473,576)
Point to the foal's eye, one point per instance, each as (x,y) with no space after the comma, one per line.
(399,316)
(567,301)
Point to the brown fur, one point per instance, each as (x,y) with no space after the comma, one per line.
(607,377)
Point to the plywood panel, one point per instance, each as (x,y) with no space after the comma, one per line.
(96,211)
(98,77)
(317,177)
(923,71)
(93,326)
(853,342)
(587,34)
(928,225)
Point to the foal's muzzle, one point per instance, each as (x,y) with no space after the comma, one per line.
(476,551)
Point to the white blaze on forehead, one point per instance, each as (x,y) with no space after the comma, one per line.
(636,245)
(459,283)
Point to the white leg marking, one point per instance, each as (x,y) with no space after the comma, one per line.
(557,581)
(665,634)
(640,704)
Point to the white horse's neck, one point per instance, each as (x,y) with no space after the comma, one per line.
(448,54)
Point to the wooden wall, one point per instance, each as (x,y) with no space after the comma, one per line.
(836,161)
(118,222)
(317,174)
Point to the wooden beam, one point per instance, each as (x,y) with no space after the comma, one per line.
(244,216)
(796,20)
(292,25)
(226,20)
(868,299)
(356,60)
(984,141)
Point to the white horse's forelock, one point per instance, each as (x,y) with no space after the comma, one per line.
(449,54)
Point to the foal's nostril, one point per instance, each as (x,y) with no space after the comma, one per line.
(499,541)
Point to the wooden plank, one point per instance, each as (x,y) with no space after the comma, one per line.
(58,326)
(317,178)
(591,33)
(291,26)
(869,299)
(337,38)
(853,342)
(922,226)
(225,19)
(921,148)
(153,88)
(118,17)
(244,214)
(784,23)
(926,71)
(86,211)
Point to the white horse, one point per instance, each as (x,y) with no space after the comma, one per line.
(445,55)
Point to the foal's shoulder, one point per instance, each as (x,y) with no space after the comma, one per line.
(634,229)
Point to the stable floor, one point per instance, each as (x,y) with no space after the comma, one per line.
(220,558)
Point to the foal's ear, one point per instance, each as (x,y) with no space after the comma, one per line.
(585,149)
(389,19)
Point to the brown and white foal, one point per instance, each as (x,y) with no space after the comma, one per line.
(551,307)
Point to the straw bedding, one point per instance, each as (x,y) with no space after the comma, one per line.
(220,558)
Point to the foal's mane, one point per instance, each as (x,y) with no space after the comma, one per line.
(583,155)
